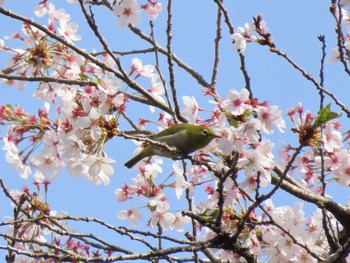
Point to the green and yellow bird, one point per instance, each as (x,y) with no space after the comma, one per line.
(186,138)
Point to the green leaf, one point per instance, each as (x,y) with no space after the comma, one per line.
(324,115)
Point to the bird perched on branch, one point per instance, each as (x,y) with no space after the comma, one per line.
(186,138)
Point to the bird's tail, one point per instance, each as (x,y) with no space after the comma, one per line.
(134,161)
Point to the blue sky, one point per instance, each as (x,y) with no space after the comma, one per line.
(295,26)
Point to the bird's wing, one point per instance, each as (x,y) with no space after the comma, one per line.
(175,136)
(169,131)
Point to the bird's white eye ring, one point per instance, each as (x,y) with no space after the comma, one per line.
(205,132)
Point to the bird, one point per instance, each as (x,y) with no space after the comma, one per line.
(185,137)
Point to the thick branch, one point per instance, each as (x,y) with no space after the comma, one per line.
(341,213)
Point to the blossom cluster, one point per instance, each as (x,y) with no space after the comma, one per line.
(45,230)
(84,118)
(247,34)
(294,238)
(333,159)
(76,120)
(129,11)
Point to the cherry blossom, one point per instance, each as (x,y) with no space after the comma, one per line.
(334,159)
(165,219)
(46,162)
(231,139)
(123,194)
(39,179)
(71,146)
(237,102)
(247,31)
(99,169)
(191,108)
(198,173)
(128,12)
(332,138)
(153,9)
(245,34)
(90,122)
(269,116)
(2,44)
(13,157)
(180,184)
(258,160)
(157,90)
(335,56)
(164,120)
(180,221)
(144,70)
(44,8)
(342,173)
(41,9)
(239,42)
(57,15)
(131,214)
(68,30)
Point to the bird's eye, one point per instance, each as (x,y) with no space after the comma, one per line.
(205,132)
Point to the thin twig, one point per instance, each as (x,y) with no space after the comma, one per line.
(216,51)
(321,74)
(190,208)
(125,53)
(336,11)
(225,13)
(158,66)
(196,75)
(241,55)
(171,62)
(91,22)
(48,79)
(326,222)
(309,77)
